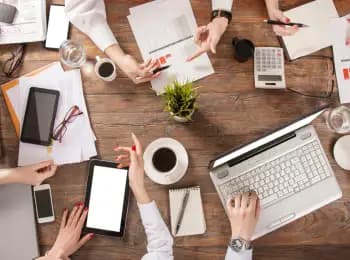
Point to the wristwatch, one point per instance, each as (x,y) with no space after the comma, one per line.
(239,244)
(221,13)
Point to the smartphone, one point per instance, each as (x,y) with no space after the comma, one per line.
(43,203)
(57,28)
(40,116)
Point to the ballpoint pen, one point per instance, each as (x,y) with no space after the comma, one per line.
(156,71)
(183,207)
(300,25)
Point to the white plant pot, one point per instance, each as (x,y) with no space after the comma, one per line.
(180,119)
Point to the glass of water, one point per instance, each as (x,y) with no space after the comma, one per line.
(338,119)
(72,54)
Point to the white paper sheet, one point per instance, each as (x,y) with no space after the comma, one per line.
(339,29)
(78,143)
(316,15)
(169,38)
(29,24)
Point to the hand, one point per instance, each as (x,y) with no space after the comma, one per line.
(207,37)
(34,174)
(68,239)
(282,30)
(243,211)
(134,160)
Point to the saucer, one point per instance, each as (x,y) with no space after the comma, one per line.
(166,178)
(341,152)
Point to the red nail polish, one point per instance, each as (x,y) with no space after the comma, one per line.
(86,209)
(91,235)
(288,20)
(64,210)
(133,148)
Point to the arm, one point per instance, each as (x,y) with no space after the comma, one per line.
(275,13)
(159,239)
(232,255)
(89,16)
(31,175)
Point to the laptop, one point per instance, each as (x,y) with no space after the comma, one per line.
(288,169)
(17,223)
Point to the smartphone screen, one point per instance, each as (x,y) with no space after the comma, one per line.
(57,29)
(43,203)
(40,116)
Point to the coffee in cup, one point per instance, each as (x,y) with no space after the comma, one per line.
(105,69)
(244,49)
(164,159)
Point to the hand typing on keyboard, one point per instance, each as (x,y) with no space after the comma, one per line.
(243,211)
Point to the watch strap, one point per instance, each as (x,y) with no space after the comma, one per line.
(221,13)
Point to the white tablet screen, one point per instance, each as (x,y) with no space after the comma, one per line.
(107,198)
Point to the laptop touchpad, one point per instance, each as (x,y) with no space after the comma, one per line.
(281,221)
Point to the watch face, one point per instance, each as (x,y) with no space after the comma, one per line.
(237,244)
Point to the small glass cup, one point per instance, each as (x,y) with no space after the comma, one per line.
(72,54)
(338,119)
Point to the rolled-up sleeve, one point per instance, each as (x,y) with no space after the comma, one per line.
(244,255)
(159,239)
(89,16)
(222,4)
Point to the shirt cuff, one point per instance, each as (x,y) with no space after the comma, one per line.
(222,5)
(102,36)
(244,255)
(149,212)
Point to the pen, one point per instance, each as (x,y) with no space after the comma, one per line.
(300,25)
(183,207)
(156,71)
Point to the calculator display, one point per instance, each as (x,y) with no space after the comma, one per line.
(270,77)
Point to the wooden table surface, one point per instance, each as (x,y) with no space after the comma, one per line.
(231,112)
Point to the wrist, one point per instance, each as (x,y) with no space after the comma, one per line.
(115,52)
(222,22)
(57,253)
(141,196)
(8,176)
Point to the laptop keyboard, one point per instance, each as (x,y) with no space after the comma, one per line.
(283,177)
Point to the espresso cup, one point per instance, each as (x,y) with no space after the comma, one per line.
(105,69)
(164,160)
(244,49)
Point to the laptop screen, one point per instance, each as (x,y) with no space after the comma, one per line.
(262,141)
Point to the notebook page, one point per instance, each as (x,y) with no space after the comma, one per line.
(193,222)
(307,40)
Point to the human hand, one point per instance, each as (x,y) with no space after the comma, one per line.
(207,37)
(243,211)
(133,158)
(68,239)
(33,174)
(282,30)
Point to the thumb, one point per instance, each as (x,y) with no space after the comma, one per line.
(284,18)
(42,165)
(85,239)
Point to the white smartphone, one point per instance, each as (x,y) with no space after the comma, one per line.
(43,203)
(58,27)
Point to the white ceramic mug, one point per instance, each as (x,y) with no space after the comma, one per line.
(105,62)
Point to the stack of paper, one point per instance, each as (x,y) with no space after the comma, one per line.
(316,15)
(340,35)
(164,30)
(29,24)
(78,144)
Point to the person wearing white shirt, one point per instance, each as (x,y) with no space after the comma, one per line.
(159,239)
(208,36)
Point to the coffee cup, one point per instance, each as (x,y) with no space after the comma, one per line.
(164,160)
(105,69)
(244,49)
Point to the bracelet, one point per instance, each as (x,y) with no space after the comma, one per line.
(221,13)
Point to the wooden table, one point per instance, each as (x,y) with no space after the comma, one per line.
(231,112)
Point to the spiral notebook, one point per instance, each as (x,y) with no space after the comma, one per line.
(193,222)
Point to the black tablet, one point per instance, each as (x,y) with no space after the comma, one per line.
(39,118)
(107,197)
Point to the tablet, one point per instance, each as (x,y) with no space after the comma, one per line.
(107,197)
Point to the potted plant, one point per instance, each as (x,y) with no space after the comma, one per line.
(180,100)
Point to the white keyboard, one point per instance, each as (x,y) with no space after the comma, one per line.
(283,177)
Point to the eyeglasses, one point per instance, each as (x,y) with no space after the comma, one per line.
(13,63)
(61,129)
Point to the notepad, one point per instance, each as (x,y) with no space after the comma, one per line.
(316,15)
(193,222)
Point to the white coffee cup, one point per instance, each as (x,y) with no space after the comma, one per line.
(105,69)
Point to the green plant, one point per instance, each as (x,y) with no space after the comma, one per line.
(180,99)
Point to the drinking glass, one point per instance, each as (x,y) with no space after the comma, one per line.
(338,119)
(72,54)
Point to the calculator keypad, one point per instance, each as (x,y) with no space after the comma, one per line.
(268,58)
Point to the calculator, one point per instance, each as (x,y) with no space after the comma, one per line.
(269,68)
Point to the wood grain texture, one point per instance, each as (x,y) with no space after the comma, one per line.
(231,112)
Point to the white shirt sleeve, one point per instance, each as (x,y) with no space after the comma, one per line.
(245,255)
(89,16)
(222,4)
(159,239)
